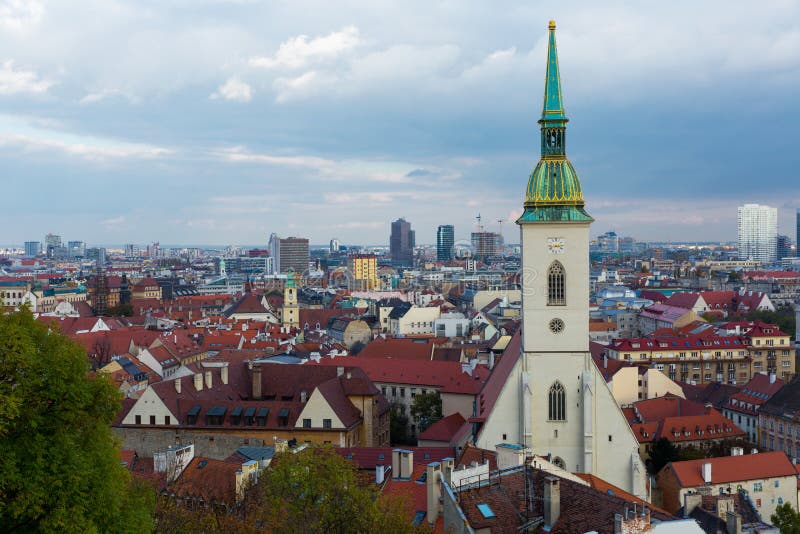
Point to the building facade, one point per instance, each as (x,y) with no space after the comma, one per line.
(445,240)
(363,271)
(33,248)
(758,233)
(402,242)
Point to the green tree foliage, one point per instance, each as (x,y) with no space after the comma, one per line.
(426,409)
(318,491)
(786,519)
(398,425)
(784,318)
(60,467)
(121,310)
(662,453)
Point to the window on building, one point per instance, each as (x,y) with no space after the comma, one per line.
(167,420)
(557,407)
(138,419)
(556,285)
(306,423)
(326,423)
(402,392)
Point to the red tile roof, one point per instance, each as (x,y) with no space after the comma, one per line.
(447,376)
(727,469)
(402,348)
(444,429)
(213,481)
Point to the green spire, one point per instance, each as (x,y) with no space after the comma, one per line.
(554,190)
(553,109)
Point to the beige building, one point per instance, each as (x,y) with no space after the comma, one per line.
(769,479)
(413,321)
(363,271)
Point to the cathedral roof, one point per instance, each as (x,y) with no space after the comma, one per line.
(554,191)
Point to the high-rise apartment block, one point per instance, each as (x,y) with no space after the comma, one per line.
(33,248)
(758,233)
(784,247)
(76,249)
(445,240)
(363,271)
(289,254)
(402,242)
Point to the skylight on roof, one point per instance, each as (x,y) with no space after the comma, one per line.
(485,511)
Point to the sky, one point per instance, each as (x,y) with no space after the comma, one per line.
(219,122)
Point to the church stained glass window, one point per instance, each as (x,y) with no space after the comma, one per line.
(556,285)
(557,407)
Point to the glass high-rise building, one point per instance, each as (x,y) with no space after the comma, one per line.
(445,240)
(758,233)
(33,248)
(797,243)
(401,242)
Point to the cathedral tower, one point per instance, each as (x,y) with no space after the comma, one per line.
(565,406)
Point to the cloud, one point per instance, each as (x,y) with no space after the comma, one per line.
(298,87)
(17,15)
(234,89)
(105,94)
(15,81)
(299,51)
(84,147)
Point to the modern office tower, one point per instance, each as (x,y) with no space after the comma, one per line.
(152,250)
(291,253)
(784,247)
(334,246)
(33,248)
(485,245)
(758,233)
(401,242)
(51,243)
(363,271)
(76,249)
(131,251)
(96,254)
(608,244)
(445,240)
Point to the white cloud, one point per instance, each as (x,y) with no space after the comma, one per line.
(114,223)
(84,147)
(105,94)
(299,51)
(291,88)
(17,15)
(234,89)
(15,81)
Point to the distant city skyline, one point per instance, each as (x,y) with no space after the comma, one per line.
(218,122)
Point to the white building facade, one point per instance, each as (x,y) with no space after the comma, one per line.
(758,233)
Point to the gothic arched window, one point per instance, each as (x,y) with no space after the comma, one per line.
(556,285)
(557,403)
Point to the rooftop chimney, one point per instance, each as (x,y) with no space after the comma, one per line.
(772,378)
(339,371)
(379,473)
(303,396)
(402,463)
(198,381)
(617,523)
(552,501)
(707,472)
(223,374)
(178,385)
(733,522)
(434,487)
(209,380)
(257,382)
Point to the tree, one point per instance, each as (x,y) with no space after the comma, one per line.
(318,491)
(786,519)
(398,424)
(121,310)
(60,467)
(662,453)
(426,409)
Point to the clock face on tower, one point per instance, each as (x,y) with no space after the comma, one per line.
(555,245)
